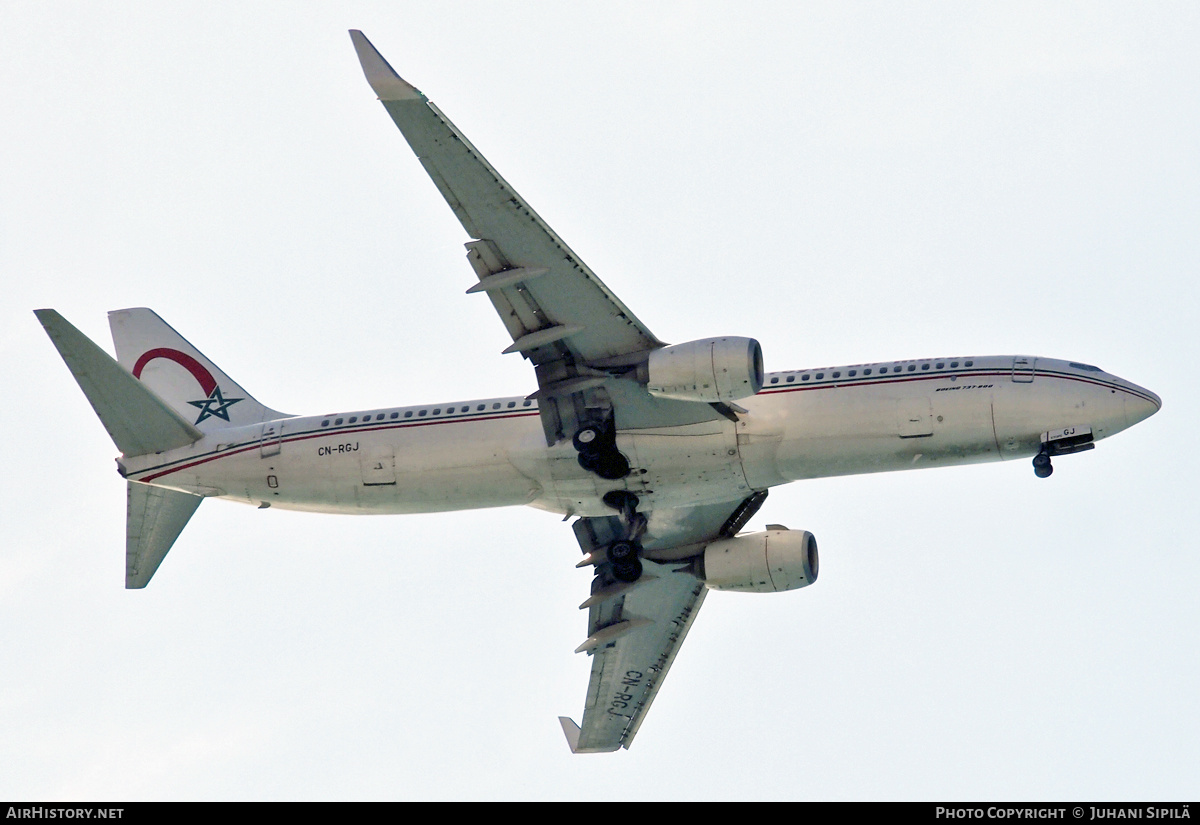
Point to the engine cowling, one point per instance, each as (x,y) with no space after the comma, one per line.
(767,562)
(714,369)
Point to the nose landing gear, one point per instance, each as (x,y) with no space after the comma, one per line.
(1042,468)
(1061,442)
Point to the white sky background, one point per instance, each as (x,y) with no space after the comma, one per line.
(845,184)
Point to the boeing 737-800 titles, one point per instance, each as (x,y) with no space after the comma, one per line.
(661,453)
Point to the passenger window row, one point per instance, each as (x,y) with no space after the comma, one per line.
(466,408)
(866,371)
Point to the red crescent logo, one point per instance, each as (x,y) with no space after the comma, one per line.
(202,376)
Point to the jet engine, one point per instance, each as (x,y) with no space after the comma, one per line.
(711,370)
(768,562)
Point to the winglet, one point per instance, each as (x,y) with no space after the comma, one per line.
(571,731)
(382,77)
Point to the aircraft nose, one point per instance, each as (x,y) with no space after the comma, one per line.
(1140,404)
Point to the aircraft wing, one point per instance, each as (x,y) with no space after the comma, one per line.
(559,315)
(635,630)
(586,348)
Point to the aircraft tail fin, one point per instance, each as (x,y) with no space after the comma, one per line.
(137,420)
(180,374)
(154,519)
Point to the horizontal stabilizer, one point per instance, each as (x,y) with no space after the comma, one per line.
(155,518)
(137,420)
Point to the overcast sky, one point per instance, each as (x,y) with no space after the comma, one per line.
(843,182)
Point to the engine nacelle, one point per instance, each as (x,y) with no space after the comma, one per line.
(715,369)
(767,562)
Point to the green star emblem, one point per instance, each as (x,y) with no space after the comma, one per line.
(216,405)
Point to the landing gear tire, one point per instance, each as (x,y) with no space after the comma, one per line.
(589,439)
(620,552)
(612,465)
(627,571)
(589,462)
(1042,468)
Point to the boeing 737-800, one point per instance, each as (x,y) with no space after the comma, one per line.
(661,454)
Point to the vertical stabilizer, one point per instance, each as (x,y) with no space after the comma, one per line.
(180,374)
(155,518)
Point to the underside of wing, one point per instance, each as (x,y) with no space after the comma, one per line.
(636,629)
(515,253)
(632,653)
(584,343)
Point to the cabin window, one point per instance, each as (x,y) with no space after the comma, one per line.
(882,370)
(325,423)
(820,375)
(421,414)
(867,371)
(527,403)
(969,364)
(837,375)
(941,364)
(481,408)
(394,416)
(339,421)
(804,377)
(912,367)
(512,404)
(791,378)
(437,411)
(852,373)
(353,418)
(924,366)
(408,414)
(953,364)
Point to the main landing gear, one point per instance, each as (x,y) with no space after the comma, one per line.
(624,553)
(598,453)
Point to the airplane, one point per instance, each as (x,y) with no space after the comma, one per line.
(661,454)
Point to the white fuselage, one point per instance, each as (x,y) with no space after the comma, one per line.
(834,421)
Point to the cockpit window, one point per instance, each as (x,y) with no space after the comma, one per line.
(1087,367)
